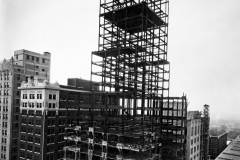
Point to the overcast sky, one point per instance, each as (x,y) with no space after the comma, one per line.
(204,45)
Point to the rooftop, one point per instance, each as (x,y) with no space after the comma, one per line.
(232,152)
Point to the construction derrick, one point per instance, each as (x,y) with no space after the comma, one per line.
(132,115)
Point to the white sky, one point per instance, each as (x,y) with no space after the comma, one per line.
(204,45)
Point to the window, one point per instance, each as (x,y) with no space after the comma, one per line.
(28,57)
(50,140)
(50,96)
(18,84)
(18,77)
(31,121)
(37,59)
(32,58)
(51,114)
(19,70)
(37,66)
(4,124)
(36,73)
(24,121)
(30,131)
(51,122)
(50,131)
(43,70)
(39,96)
(30,139)
(37,149)
(22,146)
(16,56)
(23,129)
(38,122)
(29,156)
(38,113)
(37,140)
(38,131)
(39,105)
(4,140)
(43,60)
(32,96)
(23,138)
(49,105)
(36,158)
(54,97)
(17,101)
(22,155)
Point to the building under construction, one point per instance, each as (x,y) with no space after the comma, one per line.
(131,116)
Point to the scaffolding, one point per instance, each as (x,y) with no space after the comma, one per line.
(132,115)
(205,135)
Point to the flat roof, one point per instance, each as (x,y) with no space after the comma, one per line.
(232,152)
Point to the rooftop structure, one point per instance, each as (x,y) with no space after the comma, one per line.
(34,64)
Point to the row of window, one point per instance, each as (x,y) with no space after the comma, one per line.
(194,149)
(28,156)
(31,96)
(5,92)
(5,77)
(31,113)
(195,131)
(5,108)
(5,100)
(32,105)
(4,140)
(3,156)
(39,96)
(30,148)
(31,121)
(4,132)
(195,140)
(4,124)
(4,85)
(30,139)
(5,116)
(33,58)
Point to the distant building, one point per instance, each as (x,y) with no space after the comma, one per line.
(82,83)
(194,133)
(217,144)
(12,72)
(232,151)
(46,109)
(34,64)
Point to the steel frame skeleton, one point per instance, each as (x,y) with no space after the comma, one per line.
(132,115)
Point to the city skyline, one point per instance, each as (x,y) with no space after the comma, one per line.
(202,46)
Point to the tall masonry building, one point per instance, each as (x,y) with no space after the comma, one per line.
(23,65)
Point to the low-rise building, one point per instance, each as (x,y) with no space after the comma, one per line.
(217,144)
(46,109)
